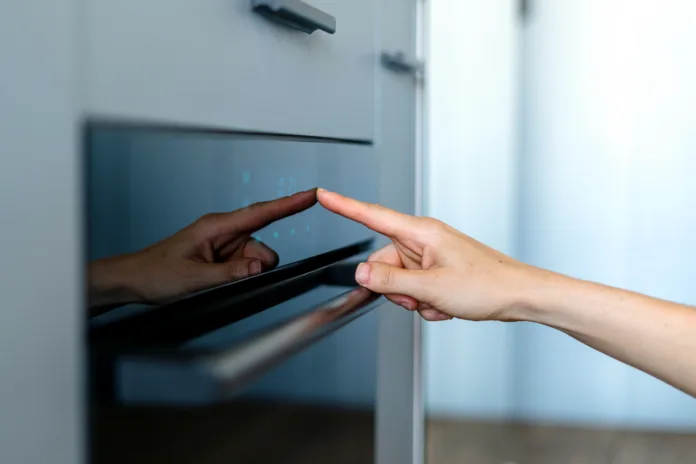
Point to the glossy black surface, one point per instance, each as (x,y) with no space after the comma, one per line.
(200,313)
(253,354)
(194,377)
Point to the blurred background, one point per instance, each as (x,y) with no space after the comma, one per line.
(561,132)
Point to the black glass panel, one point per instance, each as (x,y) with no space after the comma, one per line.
(318,406)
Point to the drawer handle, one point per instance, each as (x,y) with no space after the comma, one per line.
(398,62)
(295,14)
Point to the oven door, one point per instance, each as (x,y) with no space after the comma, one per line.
(278,367)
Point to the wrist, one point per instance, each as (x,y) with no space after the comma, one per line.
(540,296)
(111,281)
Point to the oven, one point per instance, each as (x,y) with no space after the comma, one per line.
(277,367)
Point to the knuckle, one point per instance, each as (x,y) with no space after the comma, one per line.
(386,277)
(433,229)
(257,205)
(238,270)
(207,219)
(432,224)
(208,226)
(204,224)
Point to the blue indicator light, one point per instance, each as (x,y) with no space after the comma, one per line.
(275,234)
(292,231)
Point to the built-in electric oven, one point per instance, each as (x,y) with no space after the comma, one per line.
(276,367)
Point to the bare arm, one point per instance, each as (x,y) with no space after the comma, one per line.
(655,336)
(441,273)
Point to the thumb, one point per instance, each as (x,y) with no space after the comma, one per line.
(209,274)
(384,278)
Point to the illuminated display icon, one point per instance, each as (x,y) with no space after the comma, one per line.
(307,228)
(292,231)
(246,177)
(276,234)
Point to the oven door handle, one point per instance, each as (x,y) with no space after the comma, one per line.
(184,320)
(202,378)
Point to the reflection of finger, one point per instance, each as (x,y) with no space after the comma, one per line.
(259,215)
(434,315)
(243,267)
(210,274)
(376,217)
(259,250)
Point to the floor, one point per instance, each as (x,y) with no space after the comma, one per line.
(504,443)
(237,433)
(269,434)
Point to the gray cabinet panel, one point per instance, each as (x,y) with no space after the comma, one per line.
(217,64)
(40,286)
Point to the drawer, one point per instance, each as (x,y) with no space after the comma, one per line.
(217,64)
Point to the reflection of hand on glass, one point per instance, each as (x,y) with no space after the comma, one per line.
(215,249)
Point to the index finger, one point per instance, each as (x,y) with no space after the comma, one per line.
(259,215)
(378,218)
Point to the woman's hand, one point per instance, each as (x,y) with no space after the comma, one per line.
(442,273)
(432,268)
(215,249)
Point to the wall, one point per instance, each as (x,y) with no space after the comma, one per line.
(605,192)
(472,84)
(608,195)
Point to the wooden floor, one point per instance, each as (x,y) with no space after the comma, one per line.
(503,443)
(269,434)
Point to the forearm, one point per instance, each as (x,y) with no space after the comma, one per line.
(656,336)
(109,284)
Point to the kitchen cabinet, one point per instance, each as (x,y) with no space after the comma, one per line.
(221,65)
(210,67)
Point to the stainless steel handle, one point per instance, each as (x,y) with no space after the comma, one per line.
(400,63)
(190,378)
(295,14)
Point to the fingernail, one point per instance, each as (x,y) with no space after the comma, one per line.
(254,267)
(362,274)
(403,302)
(443,317)
(407,305)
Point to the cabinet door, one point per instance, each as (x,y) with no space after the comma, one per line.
(41,321)
(220,65)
